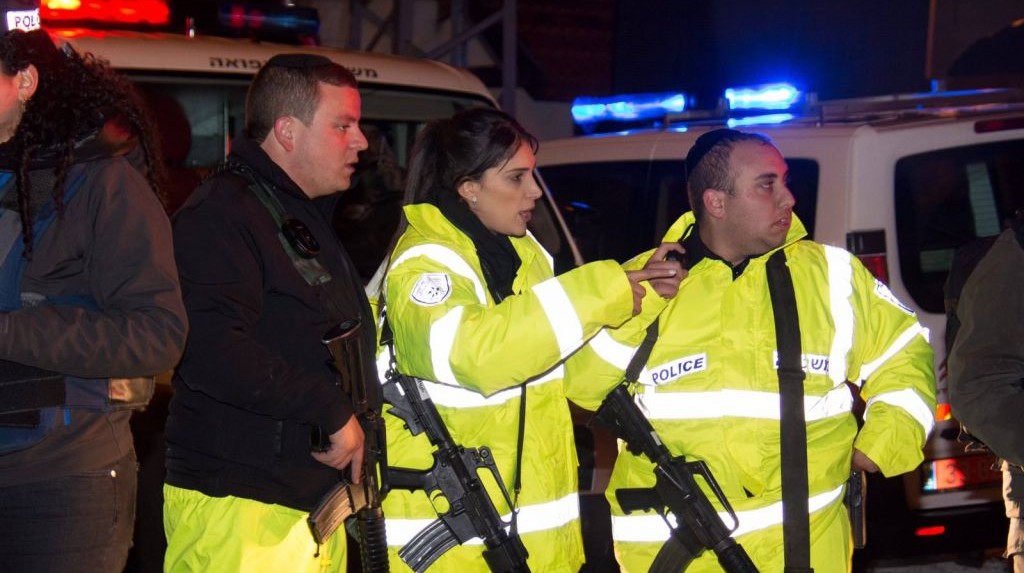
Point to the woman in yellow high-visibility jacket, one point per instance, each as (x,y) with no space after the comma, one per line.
(478,314)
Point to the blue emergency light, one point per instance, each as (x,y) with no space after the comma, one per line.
(778,96)
(634,107)
(766,119)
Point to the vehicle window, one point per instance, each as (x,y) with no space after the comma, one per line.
(196,120)
(616,210)
(947,198)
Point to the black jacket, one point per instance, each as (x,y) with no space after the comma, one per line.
(255,379)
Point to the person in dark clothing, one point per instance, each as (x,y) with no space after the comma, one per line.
(986,364)
(91,307)
(254,381)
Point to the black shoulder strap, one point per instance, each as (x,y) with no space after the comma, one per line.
(309,267)
(643,352)
(795,515)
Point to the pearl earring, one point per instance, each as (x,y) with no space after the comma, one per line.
(472,199)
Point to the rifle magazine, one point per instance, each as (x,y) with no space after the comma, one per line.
(674,556)
(428,545)
(333,509)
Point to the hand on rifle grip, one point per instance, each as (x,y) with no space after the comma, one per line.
(346,449)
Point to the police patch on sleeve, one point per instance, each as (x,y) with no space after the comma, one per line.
(885,294)
(431,289)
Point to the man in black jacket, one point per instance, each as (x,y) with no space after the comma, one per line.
(254,383)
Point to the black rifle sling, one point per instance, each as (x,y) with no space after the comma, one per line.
(309,268)
(793,448)
(643,352)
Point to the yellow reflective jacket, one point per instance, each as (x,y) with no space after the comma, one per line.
(710,389)
(476,355)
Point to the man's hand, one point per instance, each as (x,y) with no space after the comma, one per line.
(664,275)
(346,448)
(863,463)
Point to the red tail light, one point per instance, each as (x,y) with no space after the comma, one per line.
(877,265)
(990,125)
(930,531)
(869,246)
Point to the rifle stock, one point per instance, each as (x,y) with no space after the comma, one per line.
(698,526)
(454,474)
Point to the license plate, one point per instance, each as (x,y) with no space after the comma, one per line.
(965,472)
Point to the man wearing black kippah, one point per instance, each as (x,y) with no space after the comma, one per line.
(264,277)
(771,414)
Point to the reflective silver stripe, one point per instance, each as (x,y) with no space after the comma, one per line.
(901,341)
(612,351)
(448,258)
(648,528)
(909,401)
(738,404)
(442,340)
(532,518)
(383,363)
(840,291)
(561,314)
(458,397)
(540,247)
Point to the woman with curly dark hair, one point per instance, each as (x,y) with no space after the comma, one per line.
(90,307)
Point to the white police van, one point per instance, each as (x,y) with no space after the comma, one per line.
(901,181)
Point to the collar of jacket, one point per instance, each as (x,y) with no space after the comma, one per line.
(685,226)
(248,151)
(110,138)
(428,221)
(107,136)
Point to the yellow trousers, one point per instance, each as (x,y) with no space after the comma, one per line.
(228,534)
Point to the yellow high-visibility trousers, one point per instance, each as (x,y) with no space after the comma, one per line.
(228,534)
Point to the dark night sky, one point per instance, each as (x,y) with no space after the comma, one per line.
(837,48)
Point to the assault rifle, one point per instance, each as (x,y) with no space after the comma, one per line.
(471,512)
(356,505)
(698,526)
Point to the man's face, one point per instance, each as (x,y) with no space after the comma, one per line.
(327,150)
(757,215)
(12,91)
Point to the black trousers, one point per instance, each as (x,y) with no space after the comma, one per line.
(78,523)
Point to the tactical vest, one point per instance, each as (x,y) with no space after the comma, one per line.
(34,401)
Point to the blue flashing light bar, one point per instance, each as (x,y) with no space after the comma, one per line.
(767,119)
(589,110)
(261,20)
(777,96)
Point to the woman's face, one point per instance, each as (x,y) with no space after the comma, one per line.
(13,91)
(504,198)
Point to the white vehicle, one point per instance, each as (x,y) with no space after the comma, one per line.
(900,181)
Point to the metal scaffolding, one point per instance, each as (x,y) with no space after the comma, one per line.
(399,22)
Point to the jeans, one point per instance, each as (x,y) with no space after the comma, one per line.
(77,523)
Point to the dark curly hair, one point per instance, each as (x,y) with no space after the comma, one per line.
(75,96)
